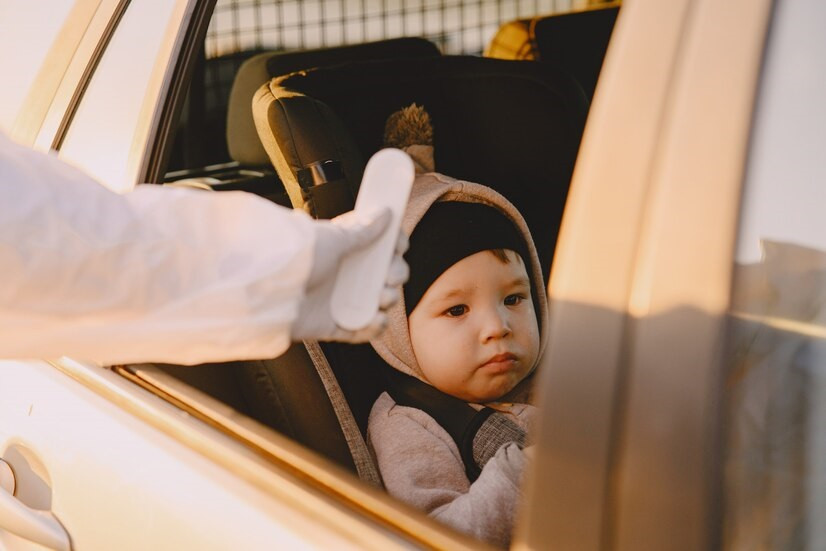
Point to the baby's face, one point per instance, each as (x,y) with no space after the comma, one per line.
(474,332)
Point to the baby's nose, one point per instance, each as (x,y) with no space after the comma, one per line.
(496,324)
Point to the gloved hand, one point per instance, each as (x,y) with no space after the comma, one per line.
(334,240)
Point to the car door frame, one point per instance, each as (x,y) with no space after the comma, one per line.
(629,444)
(68,65)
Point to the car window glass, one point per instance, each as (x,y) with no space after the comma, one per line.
(27,29)
(115,97)
(200,157)
(271,392)
(775,491)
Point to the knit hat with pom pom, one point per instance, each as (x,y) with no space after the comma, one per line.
(448,220)
(450,230)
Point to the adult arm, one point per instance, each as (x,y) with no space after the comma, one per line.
(158,274)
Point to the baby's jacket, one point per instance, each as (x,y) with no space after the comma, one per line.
(418,460)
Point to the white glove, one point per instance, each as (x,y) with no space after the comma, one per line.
(334,240)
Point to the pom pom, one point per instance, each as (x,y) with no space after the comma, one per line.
(408,126)
(410,130)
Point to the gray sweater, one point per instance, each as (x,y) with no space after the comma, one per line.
(421,465)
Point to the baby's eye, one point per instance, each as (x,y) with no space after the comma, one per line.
(513,300)
(456,311)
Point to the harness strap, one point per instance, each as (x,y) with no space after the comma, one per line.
(459,419)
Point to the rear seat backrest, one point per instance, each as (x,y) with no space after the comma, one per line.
(575,41)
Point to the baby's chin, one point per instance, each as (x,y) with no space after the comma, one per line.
(491,393)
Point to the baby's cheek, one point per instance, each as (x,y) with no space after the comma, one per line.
(532,337)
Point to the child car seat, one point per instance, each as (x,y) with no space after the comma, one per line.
(514,126)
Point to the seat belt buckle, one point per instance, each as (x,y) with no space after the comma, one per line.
(320,172)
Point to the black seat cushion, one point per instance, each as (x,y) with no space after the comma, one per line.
(577,42)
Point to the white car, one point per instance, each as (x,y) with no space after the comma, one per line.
(681,390)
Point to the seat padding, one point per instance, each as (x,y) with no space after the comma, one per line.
(577,42)
(242,140)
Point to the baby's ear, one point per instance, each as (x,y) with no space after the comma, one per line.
(410,130)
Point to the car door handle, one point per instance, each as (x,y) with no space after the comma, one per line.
(30,524)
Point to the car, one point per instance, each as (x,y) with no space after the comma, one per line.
(681,388)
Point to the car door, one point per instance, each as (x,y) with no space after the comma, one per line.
(628,444)
(629,454)
(90,459)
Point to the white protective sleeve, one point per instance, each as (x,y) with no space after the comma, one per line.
(159,274)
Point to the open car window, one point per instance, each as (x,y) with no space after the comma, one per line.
(208,148)
(305,412)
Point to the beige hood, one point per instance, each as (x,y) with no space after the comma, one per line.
(394,345)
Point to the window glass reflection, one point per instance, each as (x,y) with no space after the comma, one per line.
(775,450)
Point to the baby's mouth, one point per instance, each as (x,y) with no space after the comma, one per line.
(501,362)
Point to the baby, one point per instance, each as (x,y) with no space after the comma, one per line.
(469,326)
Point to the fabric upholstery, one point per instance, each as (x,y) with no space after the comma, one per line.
(577,42)
(242,139)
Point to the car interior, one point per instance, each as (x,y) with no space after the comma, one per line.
(298,127)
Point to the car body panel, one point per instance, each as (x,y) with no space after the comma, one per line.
(127,92)
(29,29)
(666,470)
(648,428)
(599,235)
(83,63)
(88,456)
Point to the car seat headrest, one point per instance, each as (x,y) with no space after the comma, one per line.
(513,126)
(242,139)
